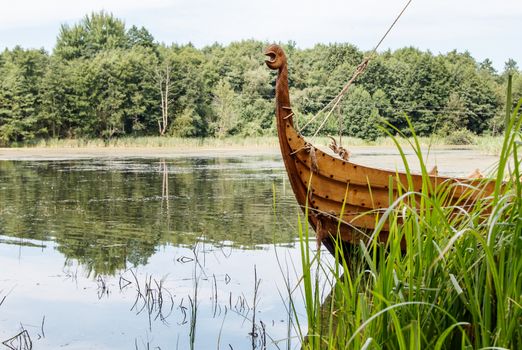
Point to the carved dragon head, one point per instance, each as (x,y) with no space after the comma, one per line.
(276,57)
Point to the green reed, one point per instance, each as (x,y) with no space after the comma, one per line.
(159,141)
(236,141)
(457,285)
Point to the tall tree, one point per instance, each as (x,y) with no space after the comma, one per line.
(487,65)
(225,108)
(20,94)
(96,32)
(121,87)
(66,105)
(510,67)
(140,37)
(164,83)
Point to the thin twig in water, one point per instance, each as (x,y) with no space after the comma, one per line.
(125,283)
(254,333)
(184,259)
(150,296)
(102,287)
(263,335)
(42,327)
(21,341)
(221,330)
(215,296)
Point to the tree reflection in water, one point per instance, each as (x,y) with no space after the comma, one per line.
(108,214)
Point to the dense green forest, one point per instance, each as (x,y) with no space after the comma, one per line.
(105,80)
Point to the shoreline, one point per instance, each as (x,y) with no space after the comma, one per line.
(450,160)
(172,147)
(70,153)
(51,153)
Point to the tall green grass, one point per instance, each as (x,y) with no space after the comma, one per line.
(176,142)
(488,144)
(458,284)
(158,141)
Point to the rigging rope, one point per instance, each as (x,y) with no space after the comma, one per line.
(358,71)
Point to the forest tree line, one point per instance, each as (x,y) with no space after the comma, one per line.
(105,80)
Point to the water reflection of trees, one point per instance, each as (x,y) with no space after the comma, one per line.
(107,214)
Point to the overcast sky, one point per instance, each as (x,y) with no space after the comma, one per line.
(486,28)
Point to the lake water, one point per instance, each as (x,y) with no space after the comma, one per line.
(148,253)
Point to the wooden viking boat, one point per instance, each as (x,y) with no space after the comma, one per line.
(344,198)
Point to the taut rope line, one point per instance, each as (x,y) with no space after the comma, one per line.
(358,71)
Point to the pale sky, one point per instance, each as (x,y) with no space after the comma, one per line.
(486,28)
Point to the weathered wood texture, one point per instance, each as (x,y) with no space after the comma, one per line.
(341,196)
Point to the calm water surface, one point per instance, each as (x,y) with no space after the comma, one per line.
(147,253)
(182,253)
